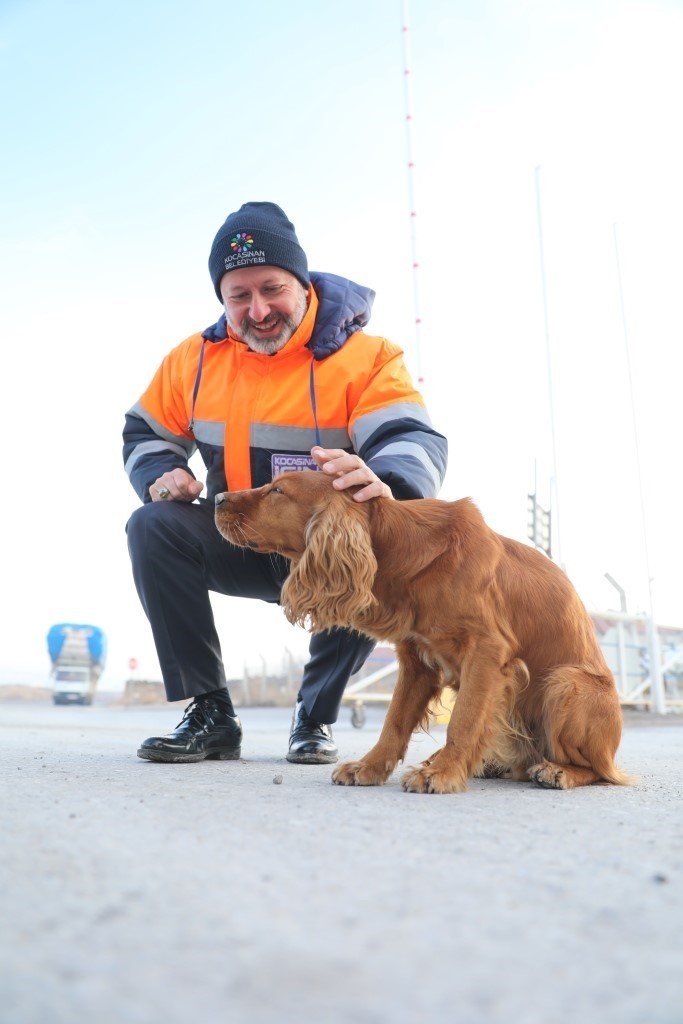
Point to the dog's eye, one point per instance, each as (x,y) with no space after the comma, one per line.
(277,490)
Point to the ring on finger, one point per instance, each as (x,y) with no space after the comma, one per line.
(164,493)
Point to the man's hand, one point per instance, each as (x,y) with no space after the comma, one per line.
(176,485)
(350,471)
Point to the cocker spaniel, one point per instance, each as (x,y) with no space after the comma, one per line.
(466,608)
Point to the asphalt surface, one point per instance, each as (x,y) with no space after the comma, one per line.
(140,893)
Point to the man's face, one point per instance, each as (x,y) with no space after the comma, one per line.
(264,306)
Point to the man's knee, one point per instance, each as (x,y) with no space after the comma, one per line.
(151,527)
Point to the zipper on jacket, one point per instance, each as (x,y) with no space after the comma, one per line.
(311,388)
(197,382)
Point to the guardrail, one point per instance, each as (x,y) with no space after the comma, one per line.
(647,667)
(632,644)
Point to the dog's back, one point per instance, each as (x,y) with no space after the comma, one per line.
(547,616)
(534,603)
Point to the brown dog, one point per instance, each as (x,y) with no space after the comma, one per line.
(492,618)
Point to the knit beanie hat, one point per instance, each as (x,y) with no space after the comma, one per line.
(259,234)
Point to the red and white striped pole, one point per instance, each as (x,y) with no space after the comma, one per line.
(407,74)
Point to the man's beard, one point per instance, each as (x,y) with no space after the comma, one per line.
(269,346)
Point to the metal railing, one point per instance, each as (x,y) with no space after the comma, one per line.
(632,645)
(647,672)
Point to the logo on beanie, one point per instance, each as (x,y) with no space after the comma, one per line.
(242,252)
(241,242)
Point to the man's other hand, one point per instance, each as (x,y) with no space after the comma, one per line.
(176,485)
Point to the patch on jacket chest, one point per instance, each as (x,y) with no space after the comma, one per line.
(283,463)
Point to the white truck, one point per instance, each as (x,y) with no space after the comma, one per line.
(77,653)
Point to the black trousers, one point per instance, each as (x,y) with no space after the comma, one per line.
(178,556)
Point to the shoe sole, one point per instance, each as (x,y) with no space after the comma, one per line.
(312,758)
(166,757)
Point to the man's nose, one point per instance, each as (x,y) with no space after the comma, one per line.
(258,308)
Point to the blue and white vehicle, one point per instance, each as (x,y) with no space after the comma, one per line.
(77,653)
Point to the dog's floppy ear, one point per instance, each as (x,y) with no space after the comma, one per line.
(331,585)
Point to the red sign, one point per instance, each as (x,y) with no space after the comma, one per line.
(132,664)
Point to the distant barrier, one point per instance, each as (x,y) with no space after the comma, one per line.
(647,660)
(631,645)
(627,641)
(143,691)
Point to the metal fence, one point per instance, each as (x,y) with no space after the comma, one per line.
(632,645)
(647,660)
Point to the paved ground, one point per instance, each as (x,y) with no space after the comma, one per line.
(136,893)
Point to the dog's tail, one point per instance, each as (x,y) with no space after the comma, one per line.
(607,770)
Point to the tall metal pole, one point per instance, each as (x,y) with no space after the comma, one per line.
(554,486)
(656,681)
(407,75)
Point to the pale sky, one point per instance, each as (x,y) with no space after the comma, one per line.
(131,130)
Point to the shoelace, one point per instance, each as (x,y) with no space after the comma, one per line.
(304,722)
(197,710)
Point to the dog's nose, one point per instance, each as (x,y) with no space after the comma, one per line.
(220,498)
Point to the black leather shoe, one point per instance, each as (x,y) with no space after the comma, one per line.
(206,731)
(310,742)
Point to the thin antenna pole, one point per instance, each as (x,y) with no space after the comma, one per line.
(655,666)
(554,487)
(407,75)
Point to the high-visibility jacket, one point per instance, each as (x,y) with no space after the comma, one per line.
(252,416)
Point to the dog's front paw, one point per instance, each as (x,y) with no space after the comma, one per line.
(359,773)
(549,776)
(431,779)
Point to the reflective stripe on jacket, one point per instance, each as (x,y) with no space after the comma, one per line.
(252,416)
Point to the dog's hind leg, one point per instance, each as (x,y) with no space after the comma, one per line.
(417,683)
(582,727)
(552,775)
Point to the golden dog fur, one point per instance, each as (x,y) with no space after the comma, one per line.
(466,608)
